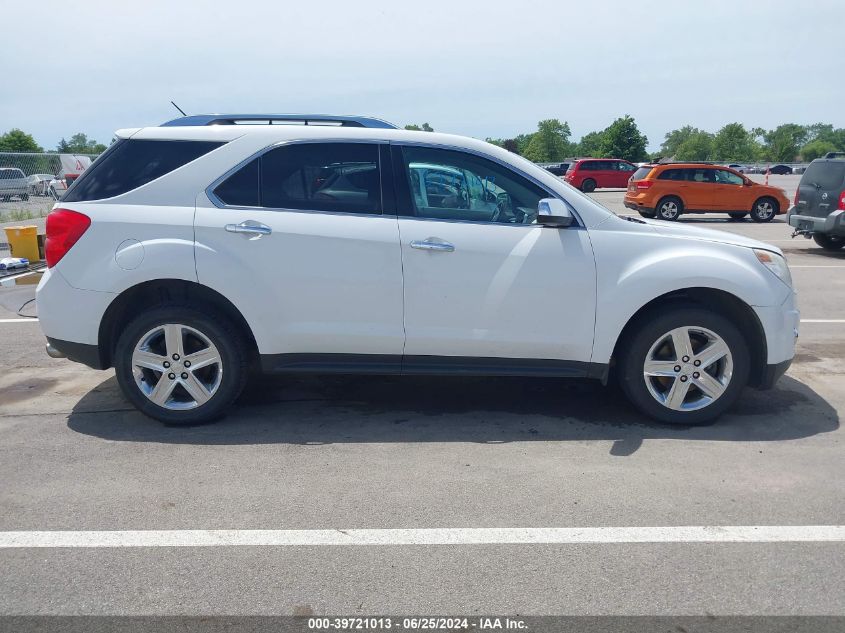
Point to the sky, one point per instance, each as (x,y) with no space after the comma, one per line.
(482,69)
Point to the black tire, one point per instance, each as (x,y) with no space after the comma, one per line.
(588,186)
(829,242)
(24,197)
(650,329)
(765,210)
(737,216)
(647,214)
(228,340)
(669,208)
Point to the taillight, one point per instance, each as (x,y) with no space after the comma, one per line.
(795,201)
(841,206)
(644,184)
(64,228)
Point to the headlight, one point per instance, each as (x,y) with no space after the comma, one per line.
(776,264)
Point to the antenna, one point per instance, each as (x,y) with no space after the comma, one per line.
(178,108)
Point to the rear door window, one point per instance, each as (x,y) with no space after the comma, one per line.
(341,177)
(130,163)
(322,177)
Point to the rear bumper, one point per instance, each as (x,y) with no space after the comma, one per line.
(78,352)
(833,223)
(637,207)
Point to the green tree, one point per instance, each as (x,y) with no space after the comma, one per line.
(416,128)
(16,140)
(550,142)
(675,139)
(590,145)
(816,149)
(734,142)
(80,144)
(622,139)
(784,142)
(697,146)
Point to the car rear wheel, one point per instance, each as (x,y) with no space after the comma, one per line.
(669,208)
(686,366)
(737,216)
(829,242)
(765,209)
(180,365)
(588,186)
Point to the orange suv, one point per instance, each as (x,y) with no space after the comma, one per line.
(666,191)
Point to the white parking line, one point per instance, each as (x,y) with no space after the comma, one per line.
(24,320)
(791,266)
(822,320)
(432,536)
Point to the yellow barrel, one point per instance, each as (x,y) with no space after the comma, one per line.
(23,242)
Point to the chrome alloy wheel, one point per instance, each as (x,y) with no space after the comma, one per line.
(688,368)
(765,210)
(177,367)
(669,210)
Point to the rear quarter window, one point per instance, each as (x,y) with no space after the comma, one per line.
(641,173)
(129,164)
(825,174)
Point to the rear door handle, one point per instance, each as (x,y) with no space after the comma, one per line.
(249,227)
(429,245)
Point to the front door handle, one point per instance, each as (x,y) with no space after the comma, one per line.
(249,227)
(429,245)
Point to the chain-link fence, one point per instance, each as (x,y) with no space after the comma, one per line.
(31,183)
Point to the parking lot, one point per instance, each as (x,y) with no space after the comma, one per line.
(348,453)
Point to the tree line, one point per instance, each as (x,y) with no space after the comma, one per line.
(552,142)
(16,140)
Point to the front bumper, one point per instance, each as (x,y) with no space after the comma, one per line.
(833,223)
(780,326)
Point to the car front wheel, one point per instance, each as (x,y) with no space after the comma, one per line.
(180,365)
(686,366)
(765,209)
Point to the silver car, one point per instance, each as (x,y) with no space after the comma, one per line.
(13,183)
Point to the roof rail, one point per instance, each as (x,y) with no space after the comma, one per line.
(279,119)
(835,155)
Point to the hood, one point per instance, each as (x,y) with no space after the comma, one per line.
(672,229)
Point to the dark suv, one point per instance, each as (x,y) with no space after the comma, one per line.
(819,209)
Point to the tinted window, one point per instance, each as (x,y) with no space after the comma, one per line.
(670,174)
(322,177)
(642,172)
(241,188)
(625,166)
(10,174)
(825,174)
(128,164)
(453,185)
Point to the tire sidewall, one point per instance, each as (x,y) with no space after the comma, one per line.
(775,210)
(588,186)
(829,242)
(663,201)
(225,337)
(651,328)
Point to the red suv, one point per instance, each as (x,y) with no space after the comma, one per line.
(588,174)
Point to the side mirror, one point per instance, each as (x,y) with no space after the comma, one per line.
(553,212)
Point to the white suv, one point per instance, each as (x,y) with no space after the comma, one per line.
(192,252)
